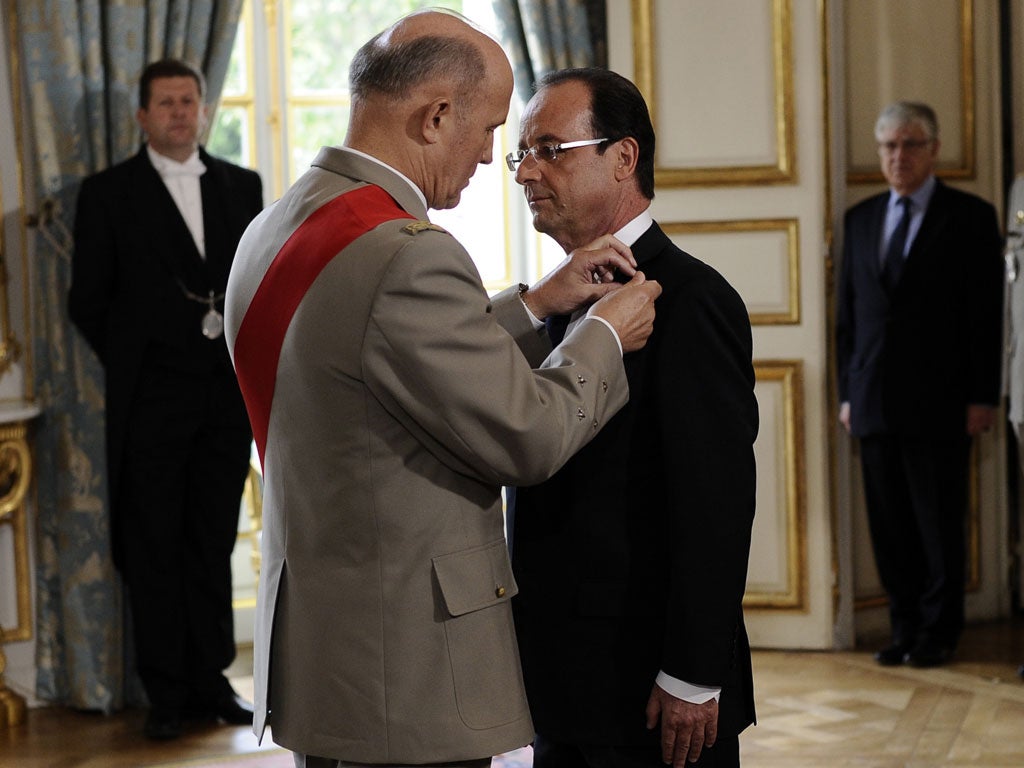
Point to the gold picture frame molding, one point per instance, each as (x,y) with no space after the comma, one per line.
(789,373)
(784,170)
(791,316)
(968,168)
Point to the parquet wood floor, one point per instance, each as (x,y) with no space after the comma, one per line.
(815,710)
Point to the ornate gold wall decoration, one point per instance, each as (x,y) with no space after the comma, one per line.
(749,271)
(893,55)
(772,76)
(15,477)
(780,522)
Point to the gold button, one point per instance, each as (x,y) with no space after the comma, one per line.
(499,592)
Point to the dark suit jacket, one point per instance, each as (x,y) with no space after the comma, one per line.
(633,557)
(133,255)
(912,362)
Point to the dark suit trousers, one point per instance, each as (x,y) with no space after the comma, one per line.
(549,754)
(186,460)
(916,494)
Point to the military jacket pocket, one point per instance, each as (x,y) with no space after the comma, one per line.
(476,585)
(475,578)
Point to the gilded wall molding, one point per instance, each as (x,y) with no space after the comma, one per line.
(9,348)
(788,315)
(783,171)
(788,374)
(965,168)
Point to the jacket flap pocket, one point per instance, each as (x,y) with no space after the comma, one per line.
(475,578)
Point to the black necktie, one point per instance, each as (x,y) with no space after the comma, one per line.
(556,325)
(893,264)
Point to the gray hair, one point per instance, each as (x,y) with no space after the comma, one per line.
(901,113)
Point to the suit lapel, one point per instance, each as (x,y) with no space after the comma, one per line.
(646,248)
(876,228)
(216,218)
(932,225)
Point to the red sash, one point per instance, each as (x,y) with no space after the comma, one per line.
(328,230)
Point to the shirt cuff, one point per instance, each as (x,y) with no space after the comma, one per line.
(694,694)
(537,324)
(618,341)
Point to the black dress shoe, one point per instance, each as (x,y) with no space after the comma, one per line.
(929,654)
(892,655)
(233,710)
(162,724)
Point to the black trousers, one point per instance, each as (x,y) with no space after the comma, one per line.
(187,457)
(916,494)
(550,754)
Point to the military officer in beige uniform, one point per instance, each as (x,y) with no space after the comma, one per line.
(390,400)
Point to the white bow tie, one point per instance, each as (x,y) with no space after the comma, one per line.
(170,168)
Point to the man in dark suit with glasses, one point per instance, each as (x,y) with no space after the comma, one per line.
(918,347)
(632,559)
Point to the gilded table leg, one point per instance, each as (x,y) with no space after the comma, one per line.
(12,706)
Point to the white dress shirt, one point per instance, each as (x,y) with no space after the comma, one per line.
(182,181)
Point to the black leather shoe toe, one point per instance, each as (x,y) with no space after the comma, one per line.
(162,724)
(891,655)
(929,655)
(234,710)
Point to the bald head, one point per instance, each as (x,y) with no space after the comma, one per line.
(429,86)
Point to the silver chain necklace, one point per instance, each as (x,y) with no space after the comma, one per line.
(213,321)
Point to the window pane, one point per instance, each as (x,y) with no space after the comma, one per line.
(478,222)
(229,137)
(237,80)
(311,128)
(325,35)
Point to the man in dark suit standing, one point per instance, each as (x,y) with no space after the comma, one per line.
(918,345)
(632,559)
(154,239)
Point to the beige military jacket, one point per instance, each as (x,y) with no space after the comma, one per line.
(404,399)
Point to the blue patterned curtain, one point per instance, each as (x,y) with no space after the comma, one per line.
(544,35)
(82,60)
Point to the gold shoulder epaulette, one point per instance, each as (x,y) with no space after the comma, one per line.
(423,226)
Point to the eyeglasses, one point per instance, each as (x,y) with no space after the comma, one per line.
(907,145)
(548,152)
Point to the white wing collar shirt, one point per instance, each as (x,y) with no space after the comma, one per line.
(182,181)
